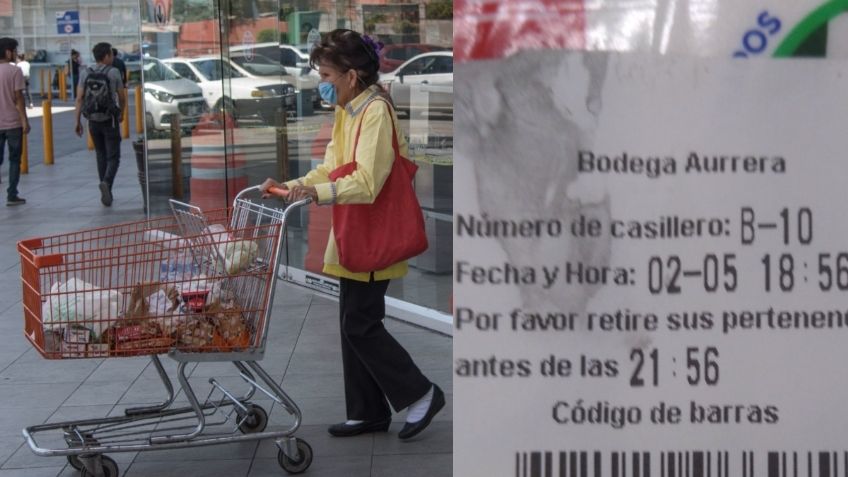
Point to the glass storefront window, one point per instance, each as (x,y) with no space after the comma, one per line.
(248,108)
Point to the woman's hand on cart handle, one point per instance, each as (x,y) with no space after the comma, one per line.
(271,187)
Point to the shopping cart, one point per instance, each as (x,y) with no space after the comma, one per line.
(195,286)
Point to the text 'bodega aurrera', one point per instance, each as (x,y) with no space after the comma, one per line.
(695,163)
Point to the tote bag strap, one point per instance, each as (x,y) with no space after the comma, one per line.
(395,145)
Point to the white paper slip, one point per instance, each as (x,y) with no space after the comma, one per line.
(651,267)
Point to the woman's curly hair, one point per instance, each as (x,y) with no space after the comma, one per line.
(348,50)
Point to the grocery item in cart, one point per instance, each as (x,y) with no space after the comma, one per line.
(231,329)
(197,332)
(76,302)
(177,268)
(238,255)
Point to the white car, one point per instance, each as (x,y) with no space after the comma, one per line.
(422,83)
(258,66)
(245,96)
(166,94)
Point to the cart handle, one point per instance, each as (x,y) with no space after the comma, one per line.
(277,191)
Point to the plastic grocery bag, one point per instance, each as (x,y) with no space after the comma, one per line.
(82,304)
(238,255)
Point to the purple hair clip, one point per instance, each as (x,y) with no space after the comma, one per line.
(374,45)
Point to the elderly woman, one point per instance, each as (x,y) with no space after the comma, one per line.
(378,371)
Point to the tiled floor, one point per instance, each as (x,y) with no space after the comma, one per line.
(303,353)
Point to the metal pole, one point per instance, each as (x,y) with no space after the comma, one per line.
(282,145)
(47,127)
(89,139)
(176,158)
(50,84)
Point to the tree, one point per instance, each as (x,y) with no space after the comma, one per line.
(439,10)
(183,11)
(267,35)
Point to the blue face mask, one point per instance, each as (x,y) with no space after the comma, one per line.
(327,91)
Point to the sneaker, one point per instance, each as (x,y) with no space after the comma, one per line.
(105,194)
(15,201)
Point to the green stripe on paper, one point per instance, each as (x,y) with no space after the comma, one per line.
(807,33)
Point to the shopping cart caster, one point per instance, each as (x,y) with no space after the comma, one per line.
(303,461)
(108,466)
(254,421)
(73,441)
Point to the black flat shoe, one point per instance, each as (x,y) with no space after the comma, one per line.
(348,430)
(411,429)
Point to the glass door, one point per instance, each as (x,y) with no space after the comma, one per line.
(234,77)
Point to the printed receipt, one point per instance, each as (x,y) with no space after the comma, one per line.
(651,266)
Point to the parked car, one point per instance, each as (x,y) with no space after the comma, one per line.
(394,55)
(166,93)
(260,65)
(245,96)
(424,82)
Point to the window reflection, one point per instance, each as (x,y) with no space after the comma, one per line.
(262,115)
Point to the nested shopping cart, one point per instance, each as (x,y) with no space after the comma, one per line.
(197,286)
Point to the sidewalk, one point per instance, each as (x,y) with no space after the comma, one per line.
(303,352)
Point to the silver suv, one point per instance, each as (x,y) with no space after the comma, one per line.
(166,93)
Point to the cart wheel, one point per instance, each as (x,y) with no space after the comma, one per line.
(255,421)
(75,462)
(110,468)
(300,465)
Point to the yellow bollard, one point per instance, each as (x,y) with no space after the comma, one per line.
(41,81)
(50,84)
(25,155)
(125,124)
(89,139)
(63,86)
(139,111)
(47,128)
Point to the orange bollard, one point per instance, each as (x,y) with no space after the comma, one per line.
(42,82)
(139,111)
(125,124)
(47,127)
(89,140)
(50,84)
(63,86)
(25,155)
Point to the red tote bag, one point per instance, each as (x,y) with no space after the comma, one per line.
(371,237)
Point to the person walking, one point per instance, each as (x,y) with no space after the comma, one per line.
(72,69)
(14,123)
(24,65)
(378,371)
(122,67)
(101,98)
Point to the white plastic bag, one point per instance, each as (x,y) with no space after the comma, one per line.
(80,303)
(238,255)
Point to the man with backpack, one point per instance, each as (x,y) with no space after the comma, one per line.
(101,98)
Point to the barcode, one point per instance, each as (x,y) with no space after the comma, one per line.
(681,464)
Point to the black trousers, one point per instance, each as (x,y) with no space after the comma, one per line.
(376,366)
(107,144)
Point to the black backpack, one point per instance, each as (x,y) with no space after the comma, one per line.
(98,104)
